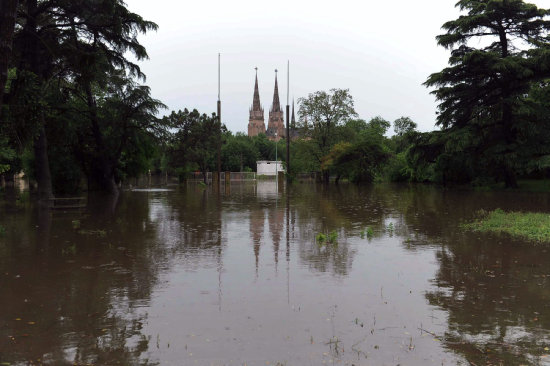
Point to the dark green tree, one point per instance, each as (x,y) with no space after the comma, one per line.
(239,153)
(320,115)
(8,15)
(194,141)
(363,159)
(122,124)
(403,126)
(499,48)
(78,42)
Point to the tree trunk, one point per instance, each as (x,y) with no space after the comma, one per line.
(510,179)
(103,179)
(42,164)
(326,176)
(8,14)
(103,172)
(32,62)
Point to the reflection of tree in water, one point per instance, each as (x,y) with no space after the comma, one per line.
(497,299)
(72,295)
(346,210)
(189,226)
(495,290)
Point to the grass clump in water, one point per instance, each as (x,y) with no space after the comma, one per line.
(330,238)
(529,225)
(368,232)
(2,230)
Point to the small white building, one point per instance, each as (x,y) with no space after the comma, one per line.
(267,167)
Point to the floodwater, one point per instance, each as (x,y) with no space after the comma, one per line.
(189,276)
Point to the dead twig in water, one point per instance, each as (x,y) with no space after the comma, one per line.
(427,331)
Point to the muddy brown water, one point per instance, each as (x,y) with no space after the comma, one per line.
(189,276)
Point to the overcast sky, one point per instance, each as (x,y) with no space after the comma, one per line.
(382,51)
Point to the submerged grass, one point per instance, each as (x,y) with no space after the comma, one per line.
(329,238)
(368,232)
(528,225)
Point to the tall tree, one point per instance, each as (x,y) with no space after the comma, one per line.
(83,43)
(403,125)
(123,114)
(321,113)
(8,14)
(193,139)
(483,88)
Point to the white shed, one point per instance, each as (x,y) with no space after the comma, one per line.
(267,167)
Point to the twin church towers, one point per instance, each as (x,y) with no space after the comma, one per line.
(276,123)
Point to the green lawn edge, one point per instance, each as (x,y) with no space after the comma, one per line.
(533,226)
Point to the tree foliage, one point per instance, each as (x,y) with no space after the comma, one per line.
(194,141)
(499,49)
(321,114)
(74,84)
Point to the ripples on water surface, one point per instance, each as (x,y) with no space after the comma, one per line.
(188,276)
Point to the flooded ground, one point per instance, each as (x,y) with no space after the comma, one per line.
(187,276)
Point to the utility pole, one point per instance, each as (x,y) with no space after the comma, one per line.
(287,123)
(220,129)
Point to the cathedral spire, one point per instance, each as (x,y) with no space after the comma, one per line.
(276,107)
(256,123)
(256,101)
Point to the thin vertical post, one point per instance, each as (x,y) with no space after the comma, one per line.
(220,127)
(276,161)
(287,122)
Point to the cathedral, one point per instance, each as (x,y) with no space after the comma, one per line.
(276,122)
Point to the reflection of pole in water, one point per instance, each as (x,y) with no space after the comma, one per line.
(276,212)
(287,245)
(257,221)
(219,242)
(220,270)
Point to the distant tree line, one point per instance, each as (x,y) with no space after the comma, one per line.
(72,108)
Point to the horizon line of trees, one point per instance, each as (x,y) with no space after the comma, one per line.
(72,107)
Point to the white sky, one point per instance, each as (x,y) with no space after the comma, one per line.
(382,51)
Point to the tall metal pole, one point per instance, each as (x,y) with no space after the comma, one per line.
(276,167)
(287,122)
(276,161)
(220,128)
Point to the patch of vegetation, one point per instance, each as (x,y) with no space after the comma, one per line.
(535,185)
(265,177)
(100,233)
(70,250)
(329,238)
(368,232)
(76,224)
(2,230)
(23,198)
(528,225)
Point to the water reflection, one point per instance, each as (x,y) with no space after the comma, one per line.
(194,275)
(495,289)
(72,289)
